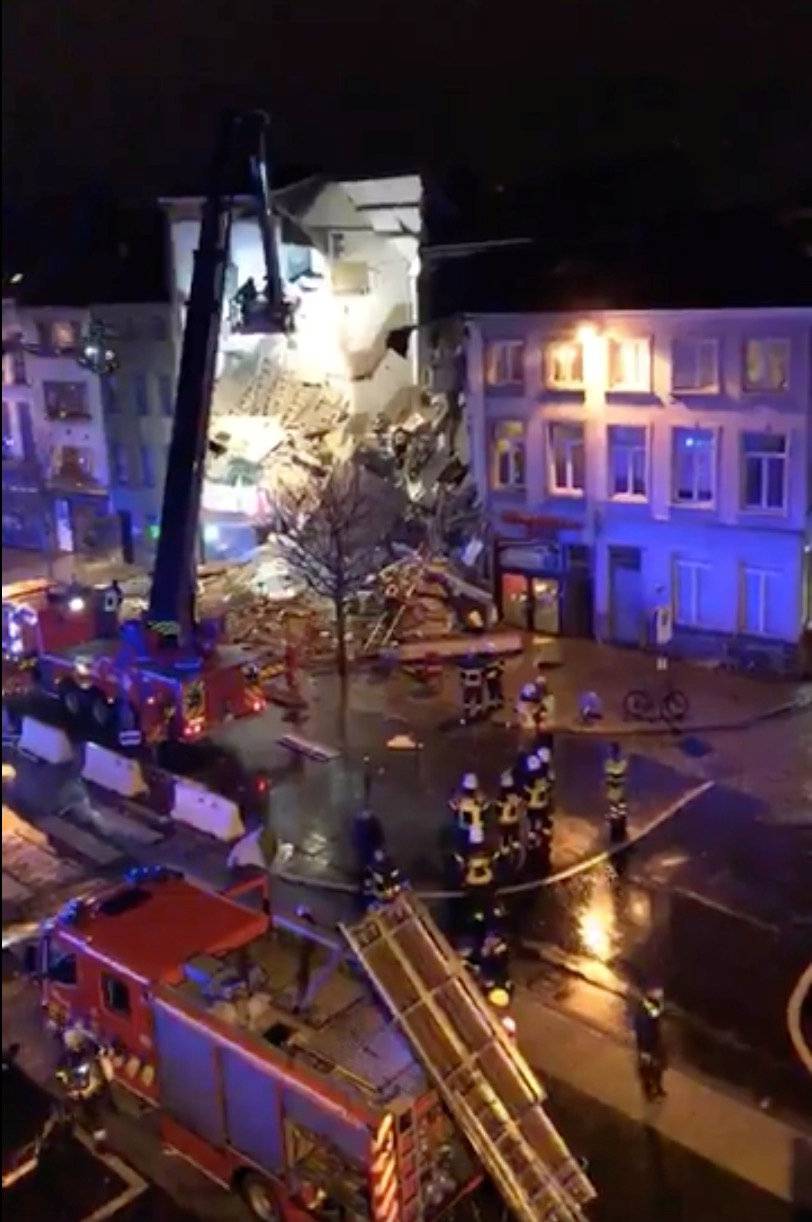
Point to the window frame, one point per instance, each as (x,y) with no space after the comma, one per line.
(697,341)
(763,458)
(629,496)
(643,342)
(695,566)
(547,360)
(118,1011)
(676,501)
(764,576)
(747,386)
(552,486)
(514,444)
(505,347)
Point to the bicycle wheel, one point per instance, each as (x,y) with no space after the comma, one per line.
(674,706)
(638,705)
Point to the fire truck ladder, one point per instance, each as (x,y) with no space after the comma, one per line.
(485,1082)
(383,629)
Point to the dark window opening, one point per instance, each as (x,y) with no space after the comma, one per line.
(116,995)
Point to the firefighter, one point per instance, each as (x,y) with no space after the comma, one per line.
(382,881)
(539,818)
(494,681)
(367,835)
(469,806)
(477,884)
(472,693)
(544,755)
(491,963)
(651,1059)
(615,772)
(526,706)
(509,809)
(84,1073)
(545,706)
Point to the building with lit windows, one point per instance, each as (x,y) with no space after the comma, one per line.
(637,459)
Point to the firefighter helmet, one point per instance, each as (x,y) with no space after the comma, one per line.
(506,778)
(470,782)
(529,692)
(533,763)
(499,997)
(544,755)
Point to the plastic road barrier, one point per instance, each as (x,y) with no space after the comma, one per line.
(45,742)
(113,771)
(208,812)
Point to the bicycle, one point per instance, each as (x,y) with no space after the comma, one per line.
(642,705)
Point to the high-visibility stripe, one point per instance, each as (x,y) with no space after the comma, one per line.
(383,1172)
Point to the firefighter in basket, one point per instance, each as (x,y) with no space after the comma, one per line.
(492,963)
(382,880)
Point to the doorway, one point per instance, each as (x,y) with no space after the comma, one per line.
(532,604)
(626,605)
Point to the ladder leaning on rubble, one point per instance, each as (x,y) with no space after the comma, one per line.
(485,1082)
(384,627)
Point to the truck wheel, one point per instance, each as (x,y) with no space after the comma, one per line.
(72,699)
(260,1197)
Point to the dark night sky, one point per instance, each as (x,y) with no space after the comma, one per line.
(125,94)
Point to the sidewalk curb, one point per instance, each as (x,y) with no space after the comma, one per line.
(627,729)
(717,1086)
(588,863)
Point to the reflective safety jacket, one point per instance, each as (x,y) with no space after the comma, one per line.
(81,1076)
(471,677)
(494,670)
(537,794)
(383,882)
(469,810)
(478,871)
(615,773)
(509,808)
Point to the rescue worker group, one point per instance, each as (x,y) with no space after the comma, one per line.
(495,841)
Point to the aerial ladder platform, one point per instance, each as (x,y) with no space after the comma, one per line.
(488,1087)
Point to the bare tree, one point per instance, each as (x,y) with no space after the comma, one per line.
(331,532)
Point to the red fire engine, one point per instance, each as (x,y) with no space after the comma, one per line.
(166,675)
(366,1074)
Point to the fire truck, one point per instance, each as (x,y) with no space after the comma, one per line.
(361,1076)
(166,675)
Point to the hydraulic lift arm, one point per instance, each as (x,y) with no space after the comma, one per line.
(171,607)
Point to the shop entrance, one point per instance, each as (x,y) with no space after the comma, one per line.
(532,604)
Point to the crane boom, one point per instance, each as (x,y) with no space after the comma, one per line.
(172,597)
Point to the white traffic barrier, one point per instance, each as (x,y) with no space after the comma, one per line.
(113,771)
(45,742)
(206,811)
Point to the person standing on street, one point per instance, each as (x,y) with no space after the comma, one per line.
(471,679)
(539,820)
(509,807)
(494,680)
(651,1058)
(616,771)
(469,806)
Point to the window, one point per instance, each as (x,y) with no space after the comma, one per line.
(564,365)
(695,365)
(8,430)
(115,994)
(165,396)
(504,362)
(72,464)
(507,461)
(630,364)
(761,601)
(566,458)
(64,335)
(764,470)
(140,394)
(336,246)
(121,468)
(110,395)
(158,327)
(766,364)
(691,581)
(693,465)
(66,400)
(147,466)
(61,965)
(14,372)
(627,462)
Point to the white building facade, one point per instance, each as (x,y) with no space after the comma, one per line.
(636,460)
